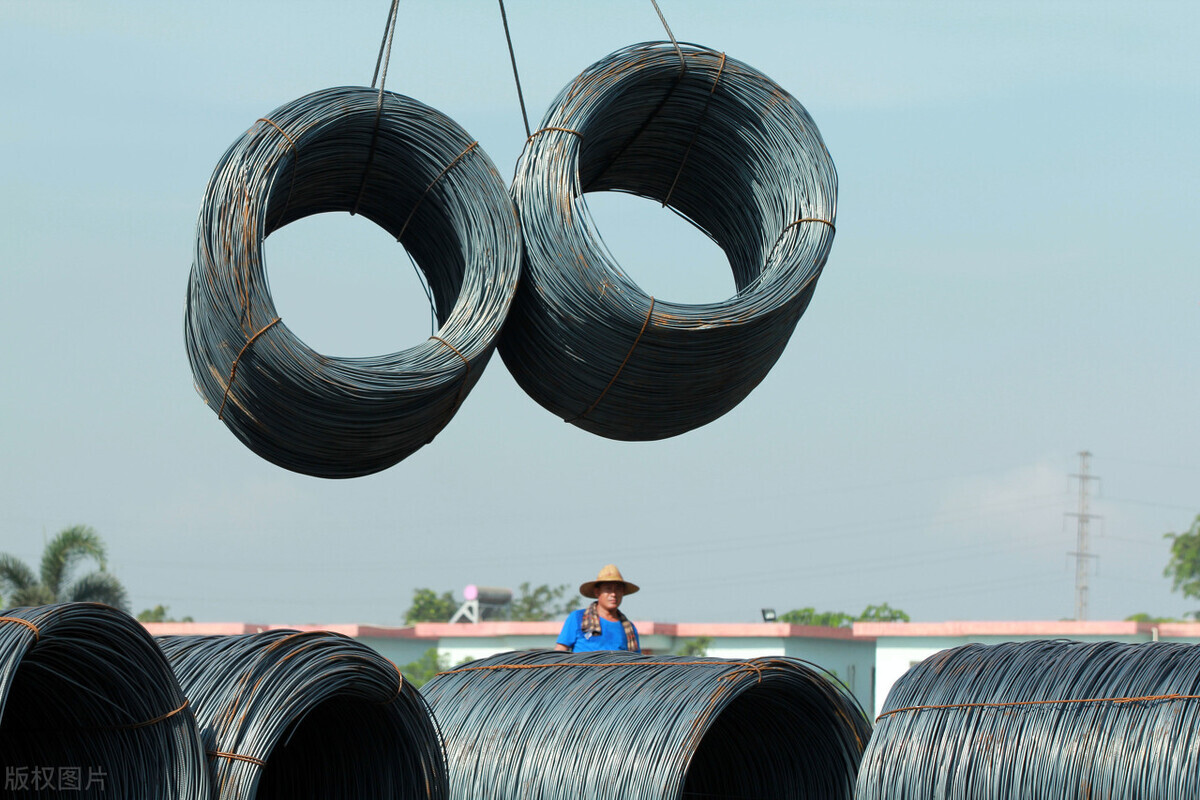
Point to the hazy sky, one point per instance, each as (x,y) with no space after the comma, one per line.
(1015,278)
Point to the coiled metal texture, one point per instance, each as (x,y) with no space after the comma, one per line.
(285,714)
(729,150)
(624,725)
(417,174)
(89,708)
(1041,719)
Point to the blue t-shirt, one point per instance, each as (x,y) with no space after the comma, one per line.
(612,635)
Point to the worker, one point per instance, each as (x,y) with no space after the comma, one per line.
(601,626)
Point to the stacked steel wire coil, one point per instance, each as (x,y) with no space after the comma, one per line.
(726,148)
(89,708)
(284,714)
(624,725)
(1041,719)
(417,174)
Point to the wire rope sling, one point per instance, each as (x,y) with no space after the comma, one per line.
(415,173)
(730,151)
(626,726)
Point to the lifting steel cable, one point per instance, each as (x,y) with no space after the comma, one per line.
(418,175)
(632,727)
(89,708)
(285,714)
(1041,719)
(726,148)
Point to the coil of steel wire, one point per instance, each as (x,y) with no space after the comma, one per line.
(624,725)
(89,708)
(1041,719)
(726,148)
(285,714)
(418,175)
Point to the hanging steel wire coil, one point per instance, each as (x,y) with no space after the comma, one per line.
(89,708)
(623,725)
(727,149)
(418,175)
(1041,719)
(285,714)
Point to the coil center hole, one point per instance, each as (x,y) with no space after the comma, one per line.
(346,287)
(667,256)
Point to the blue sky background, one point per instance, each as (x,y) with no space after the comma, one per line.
(1015,278)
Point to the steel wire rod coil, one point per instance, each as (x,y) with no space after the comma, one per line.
(89,708)
(624,725)
(285,714)
(1051,719)
(417,174)
(727,149)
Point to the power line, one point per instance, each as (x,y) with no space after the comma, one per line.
(1151,504)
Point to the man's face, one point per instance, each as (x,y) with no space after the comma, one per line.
(609,594)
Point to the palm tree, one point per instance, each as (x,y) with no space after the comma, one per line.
(72,545)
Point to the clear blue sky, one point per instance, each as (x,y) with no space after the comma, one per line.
(1016,277)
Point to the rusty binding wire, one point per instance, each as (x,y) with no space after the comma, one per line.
(626,726)
(729,150)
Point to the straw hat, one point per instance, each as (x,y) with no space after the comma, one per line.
(609,574)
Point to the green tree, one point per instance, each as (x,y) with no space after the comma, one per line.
(1183,567)
(883,613)
(840,619)
(824,619)
(159,614)
(697,647)
(541,603)
(1142,616)
(421,671)
(429,606)
(54,584)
